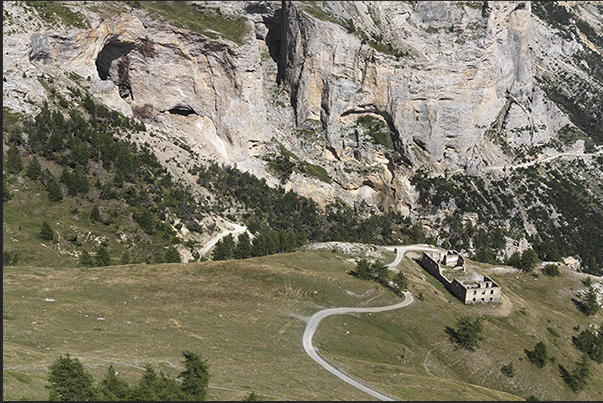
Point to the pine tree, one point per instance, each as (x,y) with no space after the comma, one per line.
(400,282)
(468,332)
(125,258)
(224,248)
(195,377)
(6,195)
(380,272)
(95,214)
(589,305)
(508,370)
(102,256)
(529,259)
(69,380)
(363,269)
(172,255)
(55,193)
(46,233)
(252,397)
(34,169)
(243,248)
(14,165)
(80,181)
(111,388)
(86,260)
(157,387)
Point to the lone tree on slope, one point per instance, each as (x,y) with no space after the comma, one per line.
(468,332)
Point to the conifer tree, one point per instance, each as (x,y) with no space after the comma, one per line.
(125,258)
(468,332)
(112,388)
(34,169)
(539,356)
(95,214)
(69,380)
(6,195)
(13,161)
(243,248)
(86,260)
(529,259)
(46,233)
(589,305)
(195,377)
(55,193)
(400,282)
(172,255)
(102,256)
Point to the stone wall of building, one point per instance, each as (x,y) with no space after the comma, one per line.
(481,291)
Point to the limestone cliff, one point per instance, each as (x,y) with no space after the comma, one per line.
(443,85)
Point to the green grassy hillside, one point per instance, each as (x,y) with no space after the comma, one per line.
(238,314)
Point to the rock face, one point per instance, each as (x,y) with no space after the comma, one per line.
(156,71)
(452,72)
(463,65)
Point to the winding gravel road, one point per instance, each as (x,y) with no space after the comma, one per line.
(318,316)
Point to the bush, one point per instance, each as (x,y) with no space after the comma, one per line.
(551,270)
(9,258)
(508,370)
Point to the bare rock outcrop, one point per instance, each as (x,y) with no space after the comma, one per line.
(451,80)
(461,66)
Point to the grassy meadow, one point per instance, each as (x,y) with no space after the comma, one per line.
(246,318)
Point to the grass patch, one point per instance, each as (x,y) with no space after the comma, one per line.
(19,376)
(377,130)
(238,315)
(316,171)
(55,11)
(198,18)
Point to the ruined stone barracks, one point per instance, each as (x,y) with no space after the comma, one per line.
(479,291)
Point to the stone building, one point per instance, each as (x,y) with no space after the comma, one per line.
(479,291)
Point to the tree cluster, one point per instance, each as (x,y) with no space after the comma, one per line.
(539,356)
(578,378)
(526,261)
(590,343)
(378,272)
(69,381)
(263,244)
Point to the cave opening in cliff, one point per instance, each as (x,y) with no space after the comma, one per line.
(182,111)
(396,142)
(110,52)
